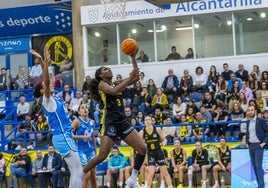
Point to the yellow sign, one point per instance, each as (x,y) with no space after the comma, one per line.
(60,47)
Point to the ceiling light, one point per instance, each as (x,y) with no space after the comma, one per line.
(134,31)
(249,19)
(196,26)
(183,28)
(263,15)
(229,22)
(150,31)
(97,34)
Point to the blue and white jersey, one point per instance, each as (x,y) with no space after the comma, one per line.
(85,128)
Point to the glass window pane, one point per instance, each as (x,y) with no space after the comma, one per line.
(251,31)
(18,61)
(213,35)
(140,32)
(102,45)
(173,32)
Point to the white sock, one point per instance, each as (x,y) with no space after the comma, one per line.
(134,174)
(162,183)
(108,184)
(190,183)
(217,182)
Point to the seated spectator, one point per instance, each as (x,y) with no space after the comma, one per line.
(200,130)
(248,92)
(237,114)
(85,86)
(206,115)
(253,103)
(169,130)
(22,79)
(253,83)
(174,55)
(231,82)
(264,90)
(242,73)
(142,57)
(75,102)
(66,72)
(212,79)
(192,104)
(186,83)
(242,144)
(226,73)
(36,108)
(42,125)
(86,100)
(209,102)
(260,101)
(142,102)
(4,80)
(26,126)
(21,166)
(223,154)
(159,101)
(256,72)
(200,163)
(233,94)
(66,95)
(178,109)
(37,164)
(170,85)
(184,131)
(159,116)
(264,76)
(151,88)
(190,54)
(51,166)
(221,90)
(220,116)
(97,112)
(265,114)
(23,108)
(116,164)
(143,80)
(128,114)
(64,172)
(243,101)
(200,80)
(140,118)
(190,115)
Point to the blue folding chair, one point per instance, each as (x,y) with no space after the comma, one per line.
(101,170)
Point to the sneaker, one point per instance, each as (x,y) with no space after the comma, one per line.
(180,186)
(132,183)
(216,186)
(204,185)
(190,186)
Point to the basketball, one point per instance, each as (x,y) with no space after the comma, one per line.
(129,46)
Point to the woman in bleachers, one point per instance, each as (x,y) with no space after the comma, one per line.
(212,79)
(256,71)
(237,114)
(184,131)
(178,109)
(260,101)
(243,101)
(151,88)
(221,88)
(199,79)
(264,76)
(233,94)
(264,90)
(186,83)
(190,115)
(253,83)
(192,104)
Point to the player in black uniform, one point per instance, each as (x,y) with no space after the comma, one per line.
(178,158)
(154,138)
(200,159)
(114,123)
(224,161)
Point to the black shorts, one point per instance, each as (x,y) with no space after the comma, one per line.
(156,157)
(117,128)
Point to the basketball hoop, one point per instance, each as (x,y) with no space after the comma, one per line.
(114,9)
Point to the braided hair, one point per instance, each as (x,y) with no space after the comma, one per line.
(94,86)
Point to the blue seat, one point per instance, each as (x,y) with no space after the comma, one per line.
(101,170)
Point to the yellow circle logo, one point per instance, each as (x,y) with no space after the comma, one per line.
(60,47)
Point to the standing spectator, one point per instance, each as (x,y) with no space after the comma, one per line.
(51,165)
(190,54)
(23,108)
(21,166)
(200,163)
(178,158)
(170,85)
(66,70)
(37,164)
(85,86)
(4,80)
(186,83)
(174,54)
(142,57)
(116,164)
(200,79)
(22,79)
(226,73)
(36,70)
(242,73)
(151,88)
(223,154)
(257,140)
(220,116)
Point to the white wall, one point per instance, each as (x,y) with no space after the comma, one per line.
(158,70)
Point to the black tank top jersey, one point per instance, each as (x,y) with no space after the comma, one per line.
(200,157)
(178,156)
(225,156)
(112,105)
(152,140)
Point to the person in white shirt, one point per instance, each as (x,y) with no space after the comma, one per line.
(36,70)
(23,108)
(75,102)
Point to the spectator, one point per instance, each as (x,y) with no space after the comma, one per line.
(75,102)
(143,80)
(85,86)
(200,79)
(226,73)
(242,73)
(200,130)
(37,164)
(237,114)
(256,72)
(169,130)
(219,117)
(248,92)
(221,89)
(178,158)
(22,79)
(260,101)
(186,83)
(87,101)
(264,76)
(64,172)
(140,118)
(174,55)
(44,137)
(178,109)
(253,103)
(36,70)
(26,125)
(212,79)
(223,154)
(190,54)
(4,80)
(264,90)
(128,114)
(2,164)
(151,88)
(192,104)
(142,57)
(243,101)
(205,113)
(36,108)
(253,83)
(23,108)
(97,112)
(66,95)
(170,85)
(190,115)
(159,101)
(184,131)
(51,165)
(233,94)
(142,102)
(200,163)
(66,72)
(21,166)
(232,80)
(209,102)
(116,164)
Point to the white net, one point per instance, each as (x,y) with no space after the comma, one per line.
(114,9)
